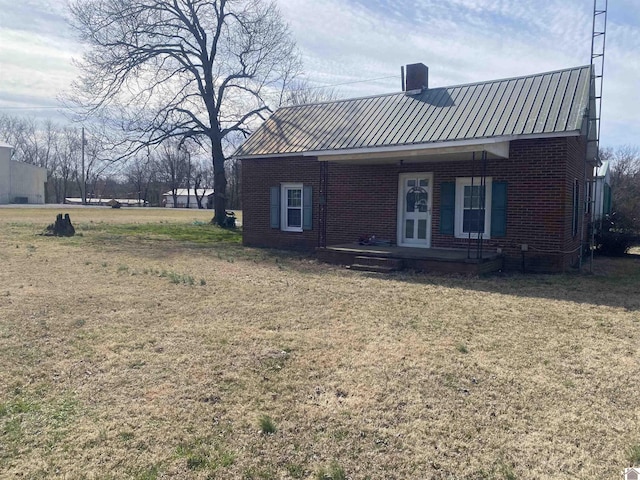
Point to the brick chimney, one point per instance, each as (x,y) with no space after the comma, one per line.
(417,79)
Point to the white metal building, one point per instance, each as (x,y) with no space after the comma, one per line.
(183,193)
(20,182)
(602,194)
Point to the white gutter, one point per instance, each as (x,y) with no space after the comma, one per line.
(499,149)
(419,148)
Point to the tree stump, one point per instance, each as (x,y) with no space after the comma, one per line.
(62,227)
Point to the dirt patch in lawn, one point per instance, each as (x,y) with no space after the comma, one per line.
(145,353)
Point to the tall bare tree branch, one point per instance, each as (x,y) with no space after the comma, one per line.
(164,69)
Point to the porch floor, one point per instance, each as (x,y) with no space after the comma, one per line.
(440,260)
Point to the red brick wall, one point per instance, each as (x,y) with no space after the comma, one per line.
(362,199)
(257,178)
(575,170)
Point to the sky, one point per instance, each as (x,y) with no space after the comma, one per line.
(359,45)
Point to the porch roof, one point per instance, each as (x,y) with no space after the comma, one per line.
(473,115)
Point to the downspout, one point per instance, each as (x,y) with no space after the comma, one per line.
(483,203)
(322,204)
(587,164)
(473,174)
(581,212)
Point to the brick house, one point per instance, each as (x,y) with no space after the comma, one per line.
(471,177)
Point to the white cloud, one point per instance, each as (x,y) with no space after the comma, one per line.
(465,41)
(36,54)
(353,40)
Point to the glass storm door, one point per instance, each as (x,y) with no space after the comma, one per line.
(414,226)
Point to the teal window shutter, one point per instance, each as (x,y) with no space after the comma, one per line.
(607,200)
(447,207)
(307,207)
(499,209)
(275,207)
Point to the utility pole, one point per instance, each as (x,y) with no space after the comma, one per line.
(83,184)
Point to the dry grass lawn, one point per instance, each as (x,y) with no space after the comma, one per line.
(154,346)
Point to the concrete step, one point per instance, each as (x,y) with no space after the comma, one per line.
(376,264)
(395,263)
(371,268)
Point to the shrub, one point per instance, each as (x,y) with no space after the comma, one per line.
(614,244)
(616,236)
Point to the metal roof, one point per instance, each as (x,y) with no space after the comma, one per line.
(536,105)
(603,169)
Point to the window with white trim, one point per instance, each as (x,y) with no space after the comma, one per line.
(473,207)
(292,207)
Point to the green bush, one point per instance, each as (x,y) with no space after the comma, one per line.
(616,236)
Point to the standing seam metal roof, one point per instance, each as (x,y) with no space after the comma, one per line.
(545,103)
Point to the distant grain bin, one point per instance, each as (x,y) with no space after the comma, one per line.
(20,182)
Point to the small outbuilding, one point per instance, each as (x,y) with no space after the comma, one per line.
(602,193)
(188,196)
(20,182)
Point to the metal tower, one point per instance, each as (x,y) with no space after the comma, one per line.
(598,44)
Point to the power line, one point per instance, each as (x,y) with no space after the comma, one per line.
(36,108)
(351,83)
(63,107)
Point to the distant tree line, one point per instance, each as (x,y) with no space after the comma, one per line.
(145,176)
(172,84)
(625,185)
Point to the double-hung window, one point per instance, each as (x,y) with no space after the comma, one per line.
(473,208)
(292,207)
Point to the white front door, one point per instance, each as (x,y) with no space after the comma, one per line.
(414,209)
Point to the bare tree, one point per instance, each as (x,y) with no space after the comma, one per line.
(33,142)
(201,178)
(300,92)
(140,173)
(67,154)
(17,132)
(172,167)
(184,68)
(625,183)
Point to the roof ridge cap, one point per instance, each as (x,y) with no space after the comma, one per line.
(507,79)
(339,100)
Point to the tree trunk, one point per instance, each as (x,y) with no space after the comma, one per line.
(64,190)
(189,180)
(57,188)
(219,182)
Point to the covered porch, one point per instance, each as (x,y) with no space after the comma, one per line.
(410,229)
(411,170)
(385,259)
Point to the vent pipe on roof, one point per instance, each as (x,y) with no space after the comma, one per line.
(417,79)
